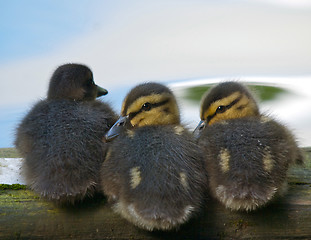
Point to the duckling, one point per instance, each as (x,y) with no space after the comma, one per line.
(247,153)
(154,172)
(60,138)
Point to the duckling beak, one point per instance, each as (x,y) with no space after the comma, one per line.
(121,125)
(198,130)
(101,91)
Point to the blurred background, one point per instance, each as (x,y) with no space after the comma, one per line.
(185,44)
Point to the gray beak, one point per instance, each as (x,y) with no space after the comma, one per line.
(121,125)
(101,91)
(198,130)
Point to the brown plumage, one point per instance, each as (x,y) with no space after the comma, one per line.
(247,154)
(60,138)
(154,173)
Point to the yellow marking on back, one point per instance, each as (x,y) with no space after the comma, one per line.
(249,108)
(135,177)
(108,155)
(161,115)
(224,157)
(183,179)
(178,130)
(267,160)
(130,133)
(265,119)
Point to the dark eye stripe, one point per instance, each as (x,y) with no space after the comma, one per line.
(152,105)
(233,102)
(209,118)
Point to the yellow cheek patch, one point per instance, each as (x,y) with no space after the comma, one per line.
(243,108)
(167,113)
(156,116)
(135,177)
(138,103)
(221,102)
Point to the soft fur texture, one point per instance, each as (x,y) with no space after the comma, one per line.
(259,155)
(60,139)
(154,172)
(247,154)
(172,179)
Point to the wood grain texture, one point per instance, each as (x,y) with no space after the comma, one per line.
(23,215)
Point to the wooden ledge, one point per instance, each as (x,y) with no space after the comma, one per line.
(23,215)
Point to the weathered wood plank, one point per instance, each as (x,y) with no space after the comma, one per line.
(23,215)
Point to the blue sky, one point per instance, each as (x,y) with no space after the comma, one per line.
(127,42)
(37,27)
(34,28)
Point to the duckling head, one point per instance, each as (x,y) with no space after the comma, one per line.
(75,82)
(227,100)
(145,105)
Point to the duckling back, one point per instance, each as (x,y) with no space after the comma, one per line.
(61,143)
(155,177)
(247,161)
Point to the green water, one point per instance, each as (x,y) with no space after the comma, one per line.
(263,93)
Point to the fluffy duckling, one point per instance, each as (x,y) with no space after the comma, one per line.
(247,153)
(60,138)
(154,171)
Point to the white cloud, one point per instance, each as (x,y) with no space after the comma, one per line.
(172,40)
(289,3)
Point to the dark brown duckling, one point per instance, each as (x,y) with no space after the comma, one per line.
(60,138)
(247,154)
(154,172)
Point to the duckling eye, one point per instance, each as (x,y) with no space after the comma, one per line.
(146,106)
(221,109)
(89,83)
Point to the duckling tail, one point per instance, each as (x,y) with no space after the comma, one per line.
(153,218)
(245,198)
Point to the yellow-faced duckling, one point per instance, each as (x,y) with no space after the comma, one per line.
(247,153)
(154,171)
(60,138)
